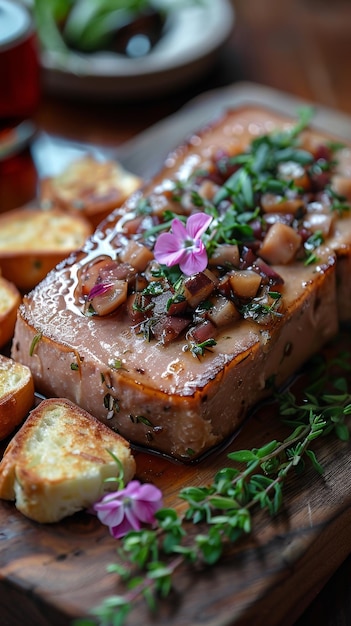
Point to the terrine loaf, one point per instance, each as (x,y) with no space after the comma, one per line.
(205,291)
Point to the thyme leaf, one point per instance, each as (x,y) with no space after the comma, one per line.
(199,349)
(310,245)
(34,343)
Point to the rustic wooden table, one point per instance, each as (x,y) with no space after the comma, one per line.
(302,47)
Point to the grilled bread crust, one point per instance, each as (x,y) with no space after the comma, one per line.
(34,241)
(89,187)
(58,462)
(10,299)
(16,394)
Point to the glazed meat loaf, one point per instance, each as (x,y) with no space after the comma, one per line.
(205,291)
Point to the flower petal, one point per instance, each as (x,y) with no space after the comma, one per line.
(149,492)
(179,231)
(194,262)
(145,511)
(167,250)
(197,224)
(99,290)
(132,489)
(110,500)
(110,516)
(148,502)
(132,517)
(121,529)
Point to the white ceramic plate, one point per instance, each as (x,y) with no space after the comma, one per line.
(187,50)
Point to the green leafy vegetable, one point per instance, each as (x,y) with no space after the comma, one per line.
(92,25)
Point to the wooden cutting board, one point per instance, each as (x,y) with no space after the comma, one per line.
(50,574)
(53,573)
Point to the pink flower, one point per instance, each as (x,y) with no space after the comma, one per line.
(183,246)
(129,508)
(99,290)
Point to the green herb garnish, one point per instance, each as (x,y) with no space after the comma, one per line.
(254,479)
(34,343)
(199,349)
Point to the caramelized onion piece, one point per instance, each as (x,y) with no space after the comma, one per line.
(168,328)
(267,273)
(110,299)
(138,308)
(202,332)
(89,274)
(198,288)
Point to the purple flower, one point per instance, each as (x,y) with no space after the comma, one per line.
(183,246)
(129,508)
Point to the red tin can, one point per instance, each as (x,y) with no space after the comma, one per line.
(19,64)
(19,99)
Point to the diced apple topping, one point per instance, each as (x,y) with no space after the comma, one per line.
(200,252)
(104,271)
(280,245)
(245,283)
(222,312)
(272,203)
(226,255)
(322,205)
(137,255)
(342,186)
(319,222)
(292,171)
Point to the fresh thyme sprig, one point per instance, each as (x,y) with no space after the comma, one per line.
(224,510)
(310,246)
(329,396)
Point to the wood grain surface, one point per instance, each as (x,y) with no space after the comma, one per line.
(53,573)
(303,48)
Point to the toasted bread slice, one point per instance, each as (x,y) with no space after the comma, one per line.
(91,187)
(58,461)
(16,394)
(10,299)
(33,241)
